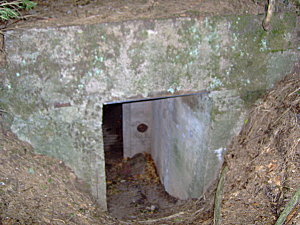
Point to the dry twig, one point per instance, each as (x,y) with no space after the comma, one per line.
(289,208)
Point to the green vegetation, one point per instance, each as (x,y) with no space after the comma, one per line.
(11,9)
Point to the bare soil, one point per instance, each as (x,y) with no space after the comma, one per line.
(134,189)
(74,12)
(264,159)
(36,189)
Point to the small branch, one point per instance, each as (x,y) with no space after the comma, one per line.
(59,220)
(289,208)
(161,219)
(267,20)
(26,189)
(298,89)
(3,111)
(282,115)
(218,198)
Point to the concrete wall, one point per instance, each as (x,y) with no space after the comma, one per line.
(180,145)
(177,137)
(58,78)
(134,141)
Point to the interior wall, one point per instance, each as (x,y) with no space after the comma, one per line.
(180,145)
(177,137)
(135,115)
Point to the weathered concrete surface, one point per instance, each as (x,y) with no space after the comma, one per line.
(177,137)
(58,78)
(134,141)
(181,150)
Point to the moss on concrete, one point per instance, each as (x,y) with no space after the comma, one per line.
(249,53)
(86,66)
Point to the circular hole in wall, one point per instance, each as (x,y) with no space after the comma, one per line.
(142,128)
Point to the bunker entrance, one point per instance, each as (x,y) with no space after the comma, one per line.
(154,154)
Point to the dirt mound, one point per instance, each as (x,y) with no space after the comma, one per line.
(264,160)
(37,189)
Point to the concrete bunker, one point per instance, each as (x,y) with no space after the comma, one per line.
(58,79)
(173,131)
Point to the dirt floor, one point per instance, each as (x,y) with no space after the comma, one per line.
(134,189)
(263,160)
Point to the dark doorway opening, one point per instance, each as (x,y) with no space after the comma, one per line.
(133,186)
(134,131)
(112,134)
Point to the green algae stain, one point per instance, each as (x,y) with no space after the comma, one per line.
(251,52)
(249,97)
(142,35)
(136,53)
(190,37)
(181,56)
(178,157)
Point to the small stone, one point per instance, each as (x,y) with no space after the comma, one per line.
(153,207)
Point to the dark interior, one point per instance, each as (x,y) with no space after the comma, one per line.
(112,133)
